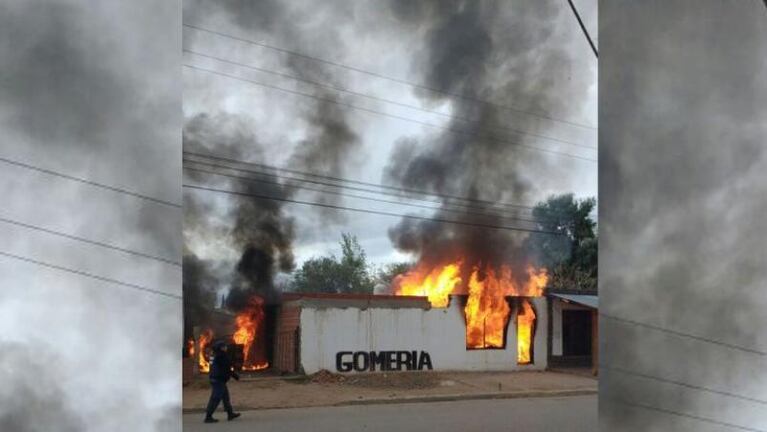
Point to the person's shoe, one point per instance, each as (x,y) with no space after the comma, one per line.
(210,420)
(233,416)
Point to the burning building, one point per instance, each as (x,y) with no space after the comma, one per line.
(487,309)
(380,333)
(386,333)
(246,333)
(451,316)
(466,305)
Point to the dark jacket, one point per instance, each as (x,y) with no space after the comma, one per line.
(221,368)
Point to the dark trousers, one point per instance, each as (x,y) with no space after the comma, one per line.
(218,393)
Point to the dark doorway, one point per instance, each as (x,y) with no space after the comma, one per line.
(576,332)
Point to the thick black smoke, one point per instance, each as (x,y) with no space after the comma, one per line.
(682,192)
(263,233)
(261,230)
(503,53)
(330,141)
(199,292)
(330,148)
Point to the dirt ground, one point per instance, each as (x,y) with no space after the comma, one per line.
(325,388)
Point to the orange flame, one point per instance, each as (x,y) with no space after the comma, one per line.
(487,310)
(203,342)
(436,284)
(536,282)
(190,347)
(248,323)
(525,321)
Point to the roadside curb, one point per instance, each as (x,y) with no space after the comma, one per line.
(472,396)
(431,398)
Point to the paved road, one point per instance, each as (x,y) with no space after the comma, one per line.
(572,414)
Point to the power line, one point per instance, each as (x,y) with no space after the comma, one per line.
(381,113)
(93,242)
(677,333)
(89,182)
(691,416)
(388,78)
(358,182)
(89,275)
(681,384)
(341,186)
(583,28)
(398,215)
(448,206)
(380,99)
(364,197)
(400,192)
(451,207)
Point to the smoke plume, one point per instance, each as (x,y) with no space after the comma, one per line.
(682,111)
(507,55)
(89,89)
(262,231)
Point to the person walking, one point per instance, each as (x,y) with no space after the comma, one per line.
(220,372)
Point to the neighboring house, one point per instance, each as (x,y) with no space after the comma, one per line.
(574,324)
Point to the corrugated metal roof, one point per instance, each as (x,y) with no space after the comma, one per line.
(591,301)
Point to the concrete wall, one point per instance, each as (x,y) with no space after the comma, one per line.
(440,332)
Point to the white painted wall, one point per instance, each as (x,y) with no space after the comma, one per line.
(556,326)
(440,332)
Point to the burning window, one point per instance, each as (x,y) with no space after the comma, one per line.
(525,331)
(250,329)
(487,310)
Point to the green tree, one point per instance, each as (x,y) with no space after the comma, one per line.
(317,275)
(348,274)
(571,257)
(356,277)
(386,275)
